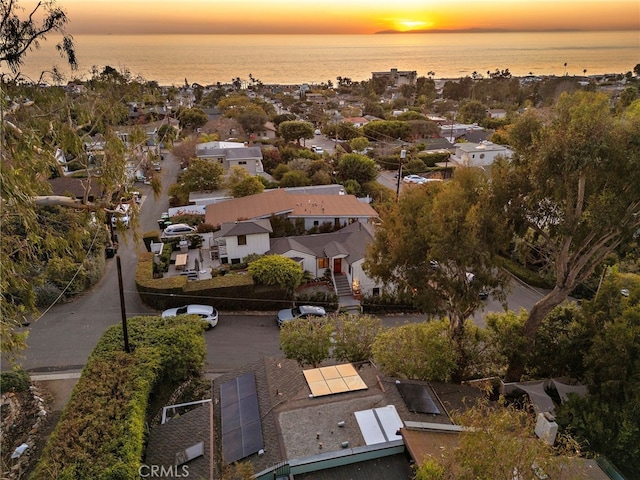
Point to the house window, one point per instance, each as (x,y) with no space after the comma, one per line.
(242,239)
(376,291)
(323,263)
(235,261)
(242,162)
(316,223)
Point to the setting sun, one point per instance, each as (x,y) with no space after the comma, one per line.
(413,25)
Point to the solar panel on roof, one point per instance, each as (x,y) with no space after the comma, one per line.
(417,398)
(333,379)
(240,418)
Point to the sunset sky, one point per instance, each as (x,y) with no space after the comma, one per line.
(343,16)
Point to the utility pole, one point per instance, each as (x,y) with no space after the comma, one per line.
(125,332)
(403,155)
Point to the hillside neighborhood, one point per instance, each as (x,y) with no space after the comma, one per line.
(398,196)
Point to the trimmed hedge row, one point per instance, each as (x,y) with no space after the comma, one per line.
(101,434)
(233,291)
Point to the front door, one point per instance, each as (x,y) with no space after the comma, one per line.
(337,266)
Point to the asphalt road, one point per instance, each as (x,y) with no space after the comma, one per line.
(62,339)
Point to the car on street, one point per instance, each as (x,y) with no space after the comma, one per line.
(178,229)
(301,311)
(206,312)
(317,132)
(417,179)
(121,215)
(317,149)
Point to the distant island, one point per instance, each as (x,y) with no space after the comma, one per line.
(474,30)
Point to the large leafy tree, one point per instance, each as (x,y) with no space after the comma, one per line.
(437,245)
(201,175)
(293,130)
(192,118)
(354,337)
(308,341)
(354,166)
(387,130)
(607,419)
(21,35)
(253,119)
(418,351)
(574,188)
(241,183)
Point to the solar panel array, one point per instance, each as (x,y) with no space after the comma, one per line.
(334,379)
(417,398)
(240,417)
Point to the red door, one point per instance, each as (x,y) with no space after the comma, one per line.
(337,266)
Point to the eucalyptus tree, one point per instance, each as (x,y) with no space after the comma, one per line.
(45,132)
(438,245)
(22,33)
(573,188)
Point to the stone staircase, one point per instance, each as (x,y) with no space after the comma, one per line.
(342,285)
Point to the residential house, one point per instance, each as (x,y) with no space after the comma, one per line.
(311,209)
(475,135)
(497,113)
(316,98)
(288,426)
(332,422)
(77,187)
(478,154)
(451,131)
(397,77)
(356,121)
(268,132)
(231,154)
(235,240)
(341,252)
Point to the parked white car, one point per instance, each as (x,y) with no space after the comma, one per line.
(178,229)
(206,312)
(417,179)
(317,149)
(121,215)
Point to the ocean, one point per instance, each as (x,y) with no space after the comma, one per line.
(314,59)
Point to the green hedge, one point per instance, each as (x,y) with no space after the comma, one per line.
(101,434)
(16,381)
(233,291)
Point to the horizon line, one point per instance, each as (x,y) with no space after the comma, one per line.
(380,32)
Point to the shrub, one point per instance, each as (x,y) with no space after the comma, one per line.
(16,381)
(102,429)
(328,300)
(47,294)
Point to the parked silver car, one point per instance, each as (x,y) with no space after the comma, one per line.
(302,311)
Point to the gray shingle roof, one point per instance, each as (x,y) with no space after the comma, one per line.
(248,227)
(351,241)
